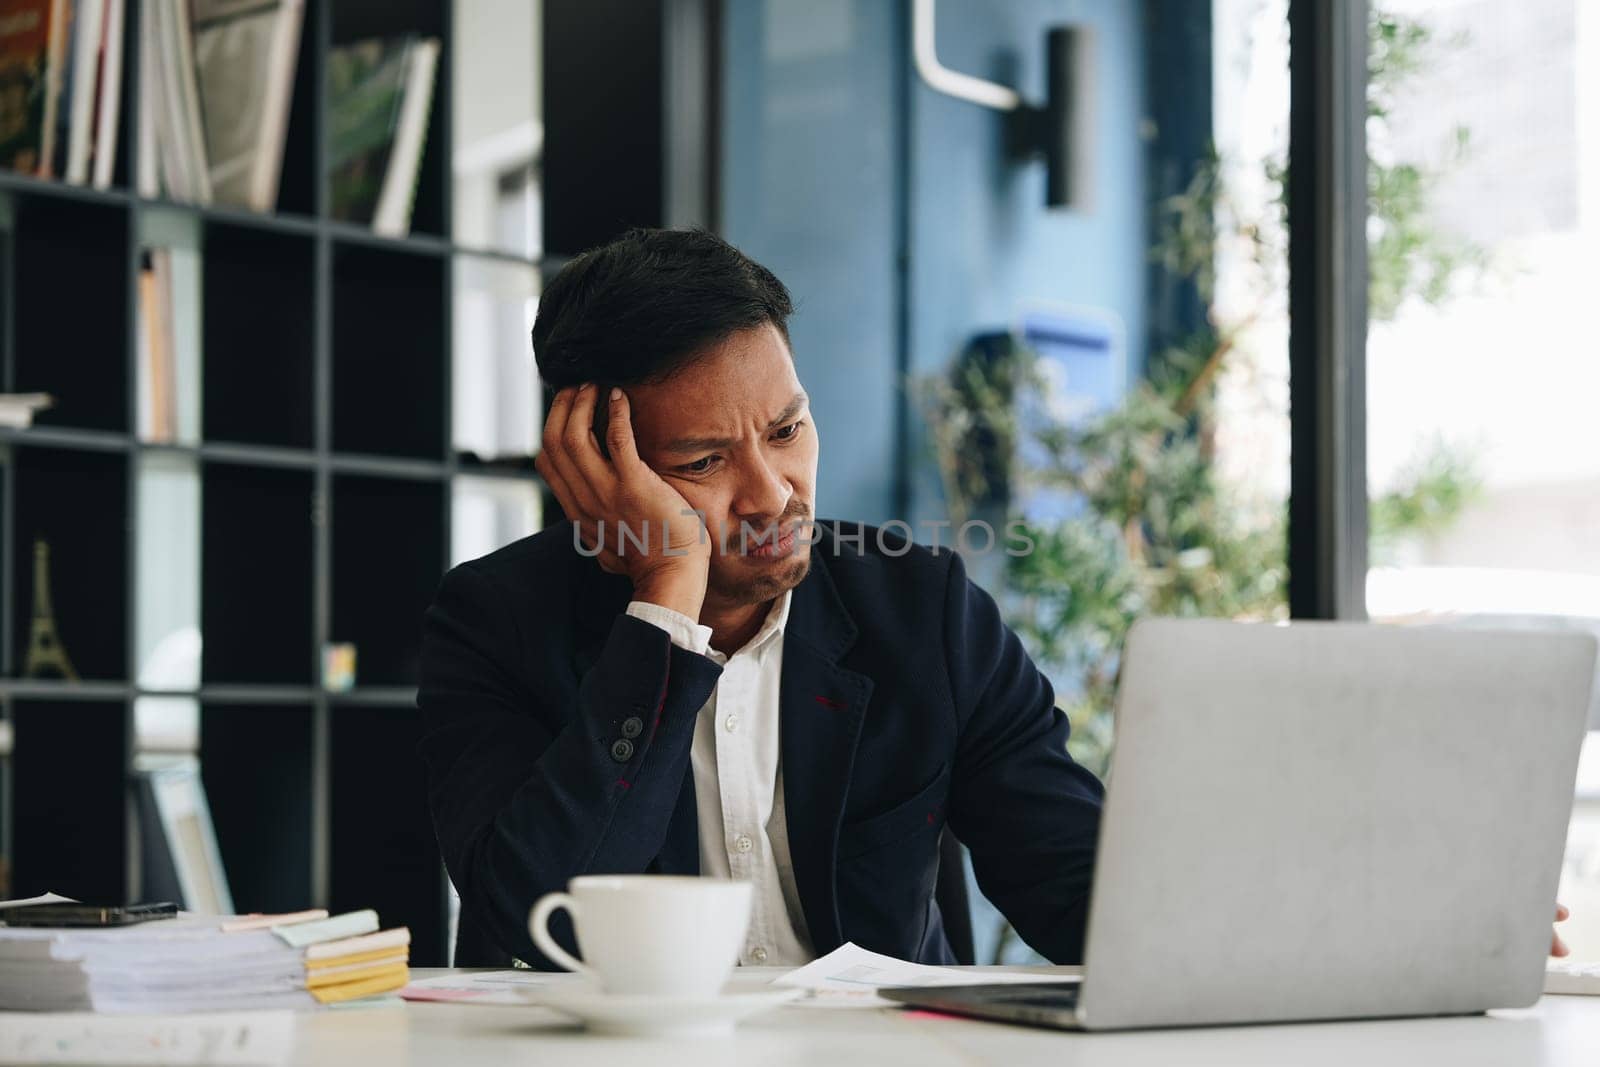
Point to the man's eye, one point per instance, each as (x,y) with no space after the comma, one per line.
(787,433)
(699,466)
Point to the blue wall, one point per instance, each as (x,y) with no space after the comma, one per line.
(982,241)
(808,180)
(893,214)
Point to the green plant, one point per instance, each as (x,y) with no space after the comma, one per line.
(1437,485)
(1157,530)
(1406,254)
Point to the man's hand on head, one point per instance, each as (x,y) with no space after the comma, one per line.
(633,521)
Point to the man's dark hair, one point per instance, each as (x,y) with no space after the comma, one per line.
(644,305)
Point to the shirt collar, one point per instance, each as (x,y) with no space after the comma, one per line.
(771,628)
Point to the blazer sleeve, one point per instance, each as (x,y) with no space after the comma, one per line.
(520,807)
(1029,815)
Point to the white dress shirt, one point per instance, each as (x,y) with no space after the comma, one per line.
(738,781)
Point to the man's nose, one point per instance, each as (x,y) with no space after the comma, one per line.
(763,493)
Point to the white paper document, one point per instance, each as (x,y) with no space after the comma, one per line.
(485,987)
(850,977)
(223,1038)
(42,898)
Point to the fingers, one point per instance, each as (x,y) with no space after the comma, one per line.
(578,438)
(545,462)
(562,492)
(1558,947)
(619,433)
(1562,912)
(580,499)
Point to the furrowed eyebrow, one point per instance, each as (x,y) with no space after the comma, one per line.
(711,444)
(799,401)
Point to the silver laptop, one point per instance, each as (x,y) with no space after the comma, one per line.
(1321,821)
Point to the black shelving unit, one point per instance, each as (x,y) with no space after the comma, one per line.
(326,467)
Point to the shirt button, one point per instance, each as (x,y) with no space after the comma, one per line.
(632,726)
(731,723)
(758,954)
(622,750)
(742,843)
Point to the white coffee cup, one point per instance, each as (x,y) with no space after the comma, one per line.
(649,934)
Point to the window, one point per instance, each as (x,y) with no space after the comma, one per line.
(1484,251)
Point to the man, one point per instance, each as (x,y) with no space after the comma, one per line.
(678,681)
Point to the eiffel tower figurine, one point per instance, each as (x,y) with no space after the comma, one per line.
(45,651)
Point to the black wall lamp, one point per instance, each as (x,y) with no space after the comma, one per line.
(1058,130)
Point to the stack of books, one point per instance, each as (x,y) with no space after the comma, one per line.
(216,78)
(195,963)
(216,83)
(60,87)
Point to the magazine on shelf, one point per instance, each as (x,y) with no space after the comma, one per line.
(54,81)
(379,95)
(174,101)
(78,99)
(108,108)
(245,52)
(392,216)
(29,34)
(147,178)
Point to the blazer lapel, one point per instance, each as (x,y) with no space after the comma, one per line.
(821,706)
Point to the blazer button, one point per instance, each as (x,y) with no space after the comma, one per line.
(632,726)
(622,750)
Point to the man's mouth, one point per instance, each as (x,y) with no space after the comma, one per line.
(772,543)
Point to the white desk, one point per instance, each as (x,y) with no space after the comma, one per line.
(1558,1031)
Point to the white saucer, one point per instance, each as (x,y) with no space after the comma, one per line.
(659,1016)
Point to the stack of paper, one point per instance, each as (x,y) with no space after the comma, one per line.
(850,977)
(197,963)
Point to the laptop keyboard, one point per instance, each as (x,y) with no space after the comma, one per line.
(1065,1000)
(1031,995)
(1580,979)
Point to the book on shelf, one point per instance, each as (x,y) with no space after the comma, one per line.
(245,52)
(108,105)
(169,345)
(196,963)
(216,84)
(380,92)
(17,409)
(76,115)
(60,87)
(147,177)
(156,402)
(33,39)
(174,101)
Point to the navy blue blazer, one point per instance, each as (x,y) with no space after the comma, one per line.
(905,704)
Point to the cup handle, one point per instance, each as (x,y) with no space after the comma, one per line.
(538,924)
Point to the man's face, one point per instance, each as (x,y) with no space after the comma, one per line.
(732,432)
